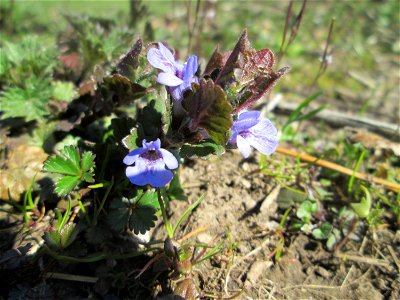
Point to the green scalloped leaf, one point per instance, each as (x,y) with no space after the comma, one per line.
(71,168)
(119,214)
(131,141)
(87,161)
(139,213)
(209,108)
(150,198)
(201,150)
(363,208)
(66,184)
(122,88)
(72,154)
(142,219)
(323,232)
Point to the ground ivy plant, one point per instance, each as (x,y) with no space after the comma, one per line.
(162,111)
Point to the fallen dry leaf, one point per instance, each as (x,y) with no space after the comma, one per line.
(373,141)
(22,164)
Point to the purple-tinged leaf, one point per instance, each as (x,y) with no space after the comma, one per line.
(202,150)
(130,61)
(121,89)
(209,108)
(256,63)
(225,76)
(257,88)
(216,61)
(246,74)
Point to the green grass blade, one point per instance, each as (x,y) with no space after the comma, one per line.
(187,213)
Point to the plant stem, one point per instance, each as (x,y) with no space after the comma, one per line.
(103,201)
(83,209)
(97,256)
(164,215)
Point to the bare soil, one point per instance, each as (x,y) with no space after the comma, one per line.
(241,202)
(240,205)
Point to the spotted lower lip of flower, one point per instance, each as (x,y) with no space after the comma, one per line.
(250,130)
(150,162)
(177,77)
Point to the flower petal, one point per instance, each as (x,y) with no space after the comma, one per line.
(169,159)
(176,94)
(137,175)
(190,68)
(159,177)
(161,60)
(144,173)
(245,121)
(153,145)
(166,53)
(233,138)
(243,146)
(265,144)
(244,124)
(169,79)
(133,156)
(265,128)
(249,114)
(157,144)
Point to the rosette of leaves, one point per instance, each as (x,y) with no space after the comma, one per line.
(245,73)
(138,214)
(71,167)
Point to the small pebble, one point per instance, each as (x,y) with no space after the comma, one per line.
(249,202)
(204,238)
(246,183)
(246,167)
(257,269)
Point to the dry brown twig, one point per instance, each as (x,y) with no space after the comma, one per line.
(332,166)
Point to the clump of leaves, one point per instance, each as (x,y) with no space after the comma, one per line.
(72,169)
(97,40)
(27,59)
(231,82)
(64,233)
(27,68)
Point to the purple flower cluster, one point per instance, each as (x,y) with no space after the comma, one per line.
(251,130)
(150,165)
(177,77)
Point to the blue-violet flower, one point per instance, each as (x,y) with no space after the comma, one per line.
(176,76)
(252,130)
(150,162)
